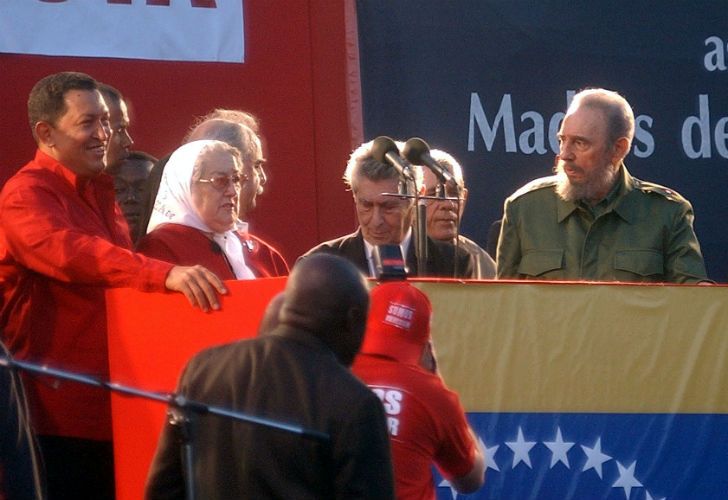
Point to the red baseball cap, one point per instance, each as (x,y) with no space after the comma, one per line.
(398,324)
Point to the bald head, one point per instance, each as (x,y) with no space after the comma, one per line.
(236,134)
(271,315)
(327,296)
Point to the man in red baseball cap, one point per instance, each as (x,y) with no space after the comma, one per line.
(426,421)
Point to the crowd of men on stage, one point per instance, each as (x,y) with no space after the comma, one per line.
(88,213)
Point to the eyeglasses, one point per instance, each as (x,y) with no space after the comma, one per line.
(451,191)
(222,181)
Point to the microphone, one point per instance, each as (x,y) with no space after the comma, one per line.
(385,150)
(417,152)
(389,263)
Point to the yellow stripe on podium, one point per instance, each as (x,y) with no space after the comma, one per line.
(564,348)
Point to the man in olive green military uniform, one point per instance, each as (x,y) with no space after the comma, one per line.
(592,220)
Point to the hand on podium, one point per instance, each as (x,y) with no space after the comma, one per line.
(200,285)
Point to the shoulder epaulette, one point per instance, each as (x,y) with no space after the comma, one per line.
(534,185)
(651,187)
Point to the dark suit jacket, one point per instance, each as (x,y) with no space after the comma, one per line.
(151,187)
(289,376)
(440,256)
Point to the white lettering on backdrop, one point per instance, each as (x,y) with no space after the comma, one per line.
(702,134)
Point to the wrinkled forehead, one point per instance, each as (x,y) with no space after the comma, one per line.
(256,147)
(83,102)
(429,178)
(584,121)
(250,151)
(118,112)
(371,190)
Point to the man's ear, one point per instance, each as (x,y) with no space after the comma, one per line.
(621,148)
(428,361)
(44,134)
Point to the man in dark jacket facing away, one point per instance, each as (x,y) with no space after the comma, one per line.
(295,373)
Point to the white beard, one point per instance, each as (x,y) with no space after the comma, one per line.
(598,181)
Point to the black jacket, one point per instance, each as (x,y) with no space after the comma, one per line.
(288,376)
(440,256)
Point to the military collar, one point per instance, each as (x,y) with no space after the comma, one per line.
(620,202)
(564,208)
(625,202)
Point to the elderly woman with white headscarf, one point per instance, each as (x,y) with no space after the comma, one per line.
(194,216)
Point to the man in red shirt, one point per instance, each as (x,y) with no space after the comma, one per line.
(63,241)
(426,421)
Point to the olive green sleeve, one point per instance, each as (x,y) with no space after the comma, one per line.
(683,259)
(508,255)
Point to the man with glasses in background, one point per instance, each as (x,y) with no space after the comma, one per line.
(445,215)
(387,220)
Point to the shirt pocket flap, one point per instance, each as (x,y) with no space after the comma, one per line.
(538,262)
(641,262)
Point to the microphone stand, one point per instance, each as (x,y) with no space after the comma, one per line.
(457,230)
(421,232)
(441,196)
(183,408)
(420,227)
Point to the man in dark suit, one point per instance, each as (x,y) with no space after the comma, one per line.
(387,220)
(295,372)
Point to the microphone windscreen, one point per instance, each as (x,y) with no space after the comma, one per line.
(414,149)
(381,146)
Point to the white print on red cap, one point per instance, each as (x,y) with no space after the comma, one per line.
(399,315)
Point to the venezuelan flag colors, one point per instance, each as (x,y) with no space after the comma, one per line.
(590,391)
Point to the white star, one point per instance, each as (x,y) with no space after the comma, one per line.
(489,455)
(558,449)
(649,497)
(626,479)
(446,484)
(520,449)
(594,457)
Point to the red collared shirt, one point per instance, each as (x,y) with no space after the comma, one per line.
(63,241)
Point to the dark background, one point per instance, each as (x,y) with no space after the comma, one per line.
(421,62)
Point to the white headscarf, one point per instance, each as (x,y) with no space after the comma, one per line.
(174,204)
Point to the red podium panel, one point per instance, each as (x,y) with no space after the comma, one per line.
(641,369)
(151,337)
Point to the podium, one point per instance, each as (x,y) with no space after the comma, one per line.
(576,390)
(151,337)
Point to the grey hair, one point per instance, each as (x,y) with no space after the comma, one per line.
(619,114)
(361,163)
(450,163)
(236,134)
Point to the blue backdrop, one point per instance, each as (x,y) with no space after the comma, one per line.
(488,81)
